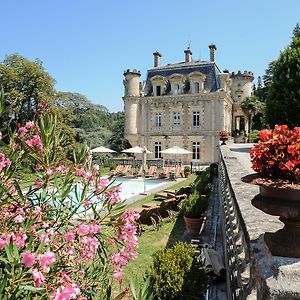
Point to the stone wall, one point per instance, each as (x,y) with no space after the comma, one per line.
(271,277)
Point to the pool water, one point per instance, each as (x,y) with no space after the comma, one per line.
(132,187)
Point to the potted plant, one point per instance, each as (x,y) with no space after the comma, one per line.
(187,171)
(276,159)
(193,209)
(223,136)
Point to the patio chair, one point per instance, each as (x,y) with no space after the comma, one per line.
(152,170)
(126,170)
(177,171)
(119,169)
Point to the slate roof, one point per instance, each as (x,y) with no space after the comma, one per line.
(210,69)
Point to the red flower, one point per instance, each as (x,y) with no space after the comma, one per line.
(277,155)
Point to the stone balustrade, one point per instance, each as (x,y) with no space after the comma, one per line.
(252,271)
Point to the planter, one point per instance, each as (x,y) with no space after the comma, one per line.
(223,139)
(195,226)
(285,203)
(186,174)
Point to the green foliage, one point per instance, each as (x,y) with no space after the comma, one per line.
(25,84)
(177,274)
(141,291)
(283,101)
(187,169)
(254,136)
(194,206)
(117,141)
(203,183)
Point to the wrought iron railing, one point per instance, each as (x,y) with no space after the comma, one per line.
(236,240)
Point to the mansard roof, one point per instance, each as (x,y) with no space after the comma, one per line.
(210,69)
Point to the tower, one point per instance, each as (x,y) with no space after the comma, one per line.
(131,104)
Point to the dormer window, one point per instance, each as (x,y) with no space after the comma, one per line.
(197,82)
(177,83)
(159,85)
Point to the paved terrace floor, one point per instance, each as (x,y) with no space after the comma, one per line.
(241,152)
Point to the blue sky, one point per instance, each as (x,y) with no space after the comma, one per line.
(86,45)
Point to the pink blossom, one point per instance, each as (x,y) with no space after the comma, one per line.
(70,236)
(70,291)
(29,125)
(118,275)
(20,239)
(46,259)
(3,243)
(18,219)
(38,277)
(35,142)
(28,259)
(82,229)
(49,172)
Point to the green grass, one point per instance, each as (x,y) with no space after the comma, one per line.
(150,241)
(176,186)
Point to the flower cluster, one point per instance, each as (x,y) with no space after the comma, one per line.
(57,236)
(223,133)
(277,155)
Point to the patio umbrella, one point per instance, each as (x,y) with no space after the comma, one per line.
(175,150)
(102,149)
(137,149)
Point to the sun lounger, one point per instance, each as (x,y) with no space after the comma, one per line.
(118,170)
(177,170)
(152,170)
(126,170)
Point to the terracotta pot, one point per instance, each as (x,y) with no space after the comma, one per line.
(186,174)
(286,204)
(194,226)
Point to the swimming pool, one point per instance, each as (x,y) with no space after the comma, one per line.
(131,187)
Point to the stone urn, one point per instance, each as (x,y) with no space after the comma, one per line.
(223,140)
(282,201)
(195,226)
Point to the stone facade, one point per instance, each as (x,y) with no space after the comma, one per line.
(184,104)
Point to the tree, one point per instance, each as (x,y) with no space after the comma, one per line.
(117,141)
(25,84)
(252,106)
(283,101)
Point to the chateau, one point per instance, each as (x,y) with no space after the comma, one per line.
(185,104)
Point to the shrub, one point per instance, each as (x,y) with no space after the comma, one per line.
(254,136)
(187,169)
(177,274)
(194,206)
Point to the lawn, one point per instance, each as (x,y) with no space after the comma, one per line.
(151,239)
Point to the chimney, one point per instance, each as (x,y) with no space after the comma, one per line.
(157,57)
(188,54)
(212,52)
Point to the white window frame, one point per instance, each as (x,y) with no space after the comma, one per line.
(176,89)
(158,118)
(196,118)
(196,150)
(176,118)
(196,87)
(157,149)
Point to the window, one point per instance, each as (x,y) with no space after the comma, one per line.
(196,118)
(176,89)
(157,149)
(196,150)
(158,90)
(158,119)
(176,118)
(196,87)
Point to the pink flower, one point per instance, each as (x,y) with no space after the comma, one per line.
(18,219)
(46,259)
(118,275)
(70,291)
(3,243)
(28,259)
(38,277)
(82,229)
(70,236)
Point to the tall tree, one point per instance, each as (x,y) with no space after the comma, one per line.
(25,84)
(117,141)
(283,101)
